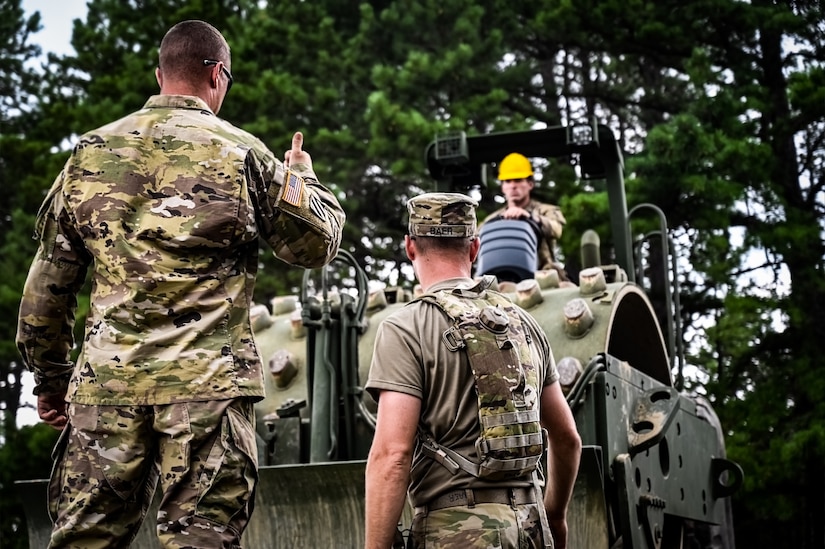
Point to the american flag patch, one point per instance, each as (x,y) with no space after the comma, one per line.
(293,189)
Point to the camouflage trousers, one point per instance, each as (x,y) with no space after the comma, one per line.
(483,526)
(109,458)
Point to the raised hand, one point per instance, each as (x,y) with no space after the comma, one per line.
(296,155)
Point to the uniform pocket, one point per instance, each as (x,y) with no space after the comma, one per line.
(231,471)
(471,538)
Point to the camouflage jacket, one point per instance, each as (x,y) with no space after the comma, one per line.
(166,206)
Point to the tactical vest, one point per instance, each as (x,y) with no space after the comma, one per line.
(487,327)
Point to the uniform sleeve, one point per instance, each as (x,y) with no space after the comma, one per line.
(47,308)
(551,221)
(395,364)
(300,218)
(492,217)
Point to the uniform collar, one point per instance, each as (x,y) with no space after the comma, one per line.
(177,102)
(451,283)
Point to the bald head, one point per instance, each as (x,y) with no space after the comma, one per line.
(186,45)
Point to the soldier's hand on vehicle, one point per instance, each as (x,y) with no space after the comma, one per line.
(296,155)
(514,212)
(52,409)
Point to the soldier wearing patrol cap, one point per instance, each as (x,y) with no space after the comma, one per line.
(423,386)
(166,207)
(442,215)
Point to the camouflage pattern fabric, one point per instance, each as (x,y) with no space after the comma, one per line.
(107,463)
(482,526)
(487,327)
(551,221)
(442,215)
(410,358)
(166,206)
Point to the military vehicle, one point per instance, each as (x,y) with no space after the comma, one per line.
(653,472)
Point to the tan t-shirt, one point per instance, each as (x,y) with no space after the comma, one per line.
(411,358)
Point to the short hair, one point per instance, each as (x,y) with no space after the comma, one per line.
(432,244)
(186,45)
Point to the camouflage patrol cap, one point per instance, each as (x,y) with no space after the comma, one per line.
(442,215)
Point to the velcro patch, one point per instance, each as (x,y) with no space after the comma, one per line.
(293,189)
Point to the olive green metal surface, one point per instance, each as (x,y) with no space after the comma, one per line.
(296,507)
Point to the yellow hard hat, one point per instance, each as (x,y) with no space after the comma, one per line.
(514,166)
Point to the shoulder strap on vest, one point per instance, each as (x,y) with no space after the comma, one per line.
(486,325)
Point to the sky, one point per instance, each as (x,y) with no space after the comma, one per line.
(56,18)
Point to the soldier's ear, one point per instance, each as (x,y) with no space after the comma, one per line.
(409,247)
(475,245)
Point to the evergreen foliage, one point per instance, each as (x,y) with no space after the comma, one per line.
(719,107)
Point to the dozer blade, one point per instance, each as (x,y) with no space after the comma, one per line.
(296,506)
(33,494)
(587,514)
(309,506)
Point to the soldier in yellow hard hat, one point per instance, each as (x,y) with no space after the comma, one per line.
(516,176)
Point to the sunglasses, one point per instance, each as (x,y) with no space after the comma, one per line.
(209,62)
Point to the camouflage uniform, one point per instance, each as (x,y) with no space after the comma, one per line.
(551,221)
(166,206)
(410,358)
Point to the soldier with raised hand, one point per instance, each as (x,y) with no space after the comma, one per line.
(437,376)
(166,207)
